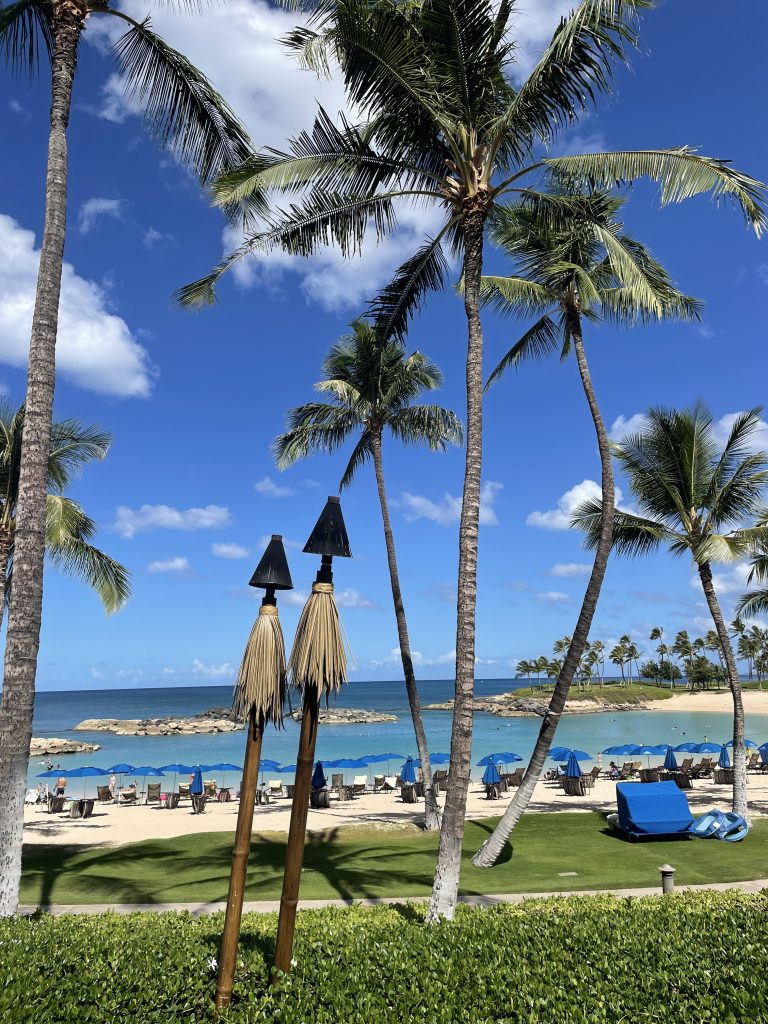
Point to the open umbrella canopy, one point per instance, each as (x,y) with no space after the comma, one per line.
(505,757)
(318,777)
(647,748)
(685,748)
(725,758)
(408,771)
(707,748)
(747,743)
(266,765)
(670,762)
(491,774)
(122,769)
(375,758)
(563,753)
(764,752)
(52,773)
(196,786)
(177,769)
(347,762)
(285,768)
(572,769)
(439,758)
(86,772)
(147,771)
(223,767)
(620,750)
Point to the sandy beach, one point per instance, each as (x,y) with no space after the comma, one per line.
(111,825)
(755,702)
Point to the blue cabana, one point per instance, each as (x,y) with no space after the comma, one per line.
(654,809)
(725,758)
(505,757)
(572,769)
(318,777)
(670,761)
(491,775)
(408,772)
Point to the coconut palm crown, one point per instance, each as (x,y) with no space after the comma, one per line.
(756,601)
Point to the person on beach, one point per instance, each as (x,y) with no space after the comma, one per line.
(61,783)
(613,770)
(112,784)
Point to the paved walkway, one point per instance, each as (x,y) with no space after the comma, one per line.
(272,906)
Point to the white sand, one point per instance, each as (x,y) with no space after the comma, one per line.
(111,825)
(755,702)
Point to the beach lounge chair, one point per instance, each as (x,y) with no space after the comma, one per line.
(104,795)
(390,784)
(754,764)
(32,797)
(209,788)
(686,765)
(153,792)
(515,778)
(627,770)
(360,785)
(184,790)
(658,809)
(440,776)
(590,778)
(408,794)
(127,796)
(574,787)
(337,781)
(276,787)
(378,783)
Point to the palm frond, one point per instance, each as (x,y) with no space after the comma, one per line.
(423,272)
(540,340)
(361,453)
(681,174)
(181,107)
(427,424)
(752,604)
(25,32)
(632,535)
(513,295)
(202,292)
(314,427)
(67,533)
(73,445)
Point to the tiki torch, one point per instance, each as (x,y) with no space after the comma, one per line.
(318,666)
(258,698)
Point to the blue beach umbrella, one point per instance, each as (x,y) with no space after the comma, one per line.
(620,750)
(747,743)
(223,767)
(572,768)
(121,769)
(707,748)
(86,772)
(408,772)
(505,757)
(685,748)
(725,758)
(439,758)
(177,769)
(763,749)
(196,786)
(564,753)
(491,774)
(670,761)
(375,758)
(144,771)
(318,777)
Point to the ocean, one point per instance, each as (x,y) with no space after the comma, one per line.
(57,712)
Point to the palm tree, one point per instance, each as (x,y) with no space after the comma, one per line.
(586,269)
(372,384)
(756,601)
(598,647)
(683,648)
(632,655)
(618,656)
(68,528)
(693,497)
(525,670)
(190,119)
(441,123)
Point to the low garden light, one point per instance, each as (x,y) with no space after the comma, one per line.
(318,666)
(258,698)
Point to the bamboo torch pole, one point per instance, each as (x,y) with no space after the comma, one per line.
(259,695)
(318,666)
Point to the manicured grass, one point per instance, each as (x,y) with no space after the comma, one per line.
(355,863)
(610,693)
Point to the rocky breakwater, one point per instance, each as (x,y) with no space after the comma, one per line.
(506,705)
(50,745)
(347,716)
(210,721)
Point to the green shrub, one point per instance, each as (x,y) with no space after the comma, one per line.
(690,958)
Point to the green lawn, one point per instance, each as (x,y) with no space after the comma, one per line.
(358,863)
(610,692)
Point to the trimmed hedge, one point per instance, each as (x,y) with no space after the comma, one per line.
(693,957)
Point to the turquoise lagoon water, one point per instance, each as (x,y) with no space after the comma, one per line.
(57,713)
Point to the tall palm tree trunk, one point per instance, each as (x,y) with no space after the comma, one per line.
(431,810)
(6,543)
(23,638)
(445,888)
(739,754)
(489,852)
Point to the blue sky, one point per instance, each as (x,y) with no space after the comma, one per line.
(189,490)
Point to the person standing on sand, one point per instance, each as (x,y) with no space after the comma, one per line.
(61,783)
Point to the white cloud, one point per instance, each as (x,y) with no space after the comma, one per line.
(560,518)
(203,671)
(92,209)
(622,426)
(571,569)
(97,675)
(176,564)
(724,425)
(731,581)
(130,521)
(16,107)
(153,238)
(553,597)
(268,487)
(448,510)
(231,551)
(294,598)
(94,350)
(351,598)
(419,659)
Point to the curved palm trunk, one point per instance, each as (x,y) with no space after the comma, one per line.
(431,810)
(445,888)
(23,638)
(489,852)
(6,543)
(739,755)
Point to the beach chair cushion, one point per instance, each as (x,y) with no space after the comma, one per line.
(655,809)
(390,782)
(361,780)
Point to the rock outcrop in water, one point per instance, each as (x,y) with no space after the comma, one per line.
(506,705)
(347,716)
(210,721)
(50,745)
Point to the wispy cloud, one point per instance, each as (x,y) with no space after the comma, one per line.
(178,564)
(622,425)
(571,569)
(270,489)
(351,598)
(553,597)
(447,510)
(560,518)
(231,551)
(130,521)
(202,671)
(94,209)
